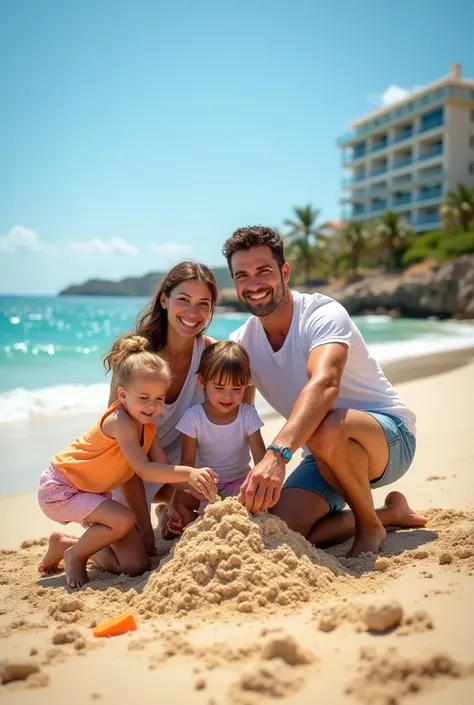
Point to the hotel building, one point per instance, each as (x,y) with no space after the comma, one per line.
(405,157)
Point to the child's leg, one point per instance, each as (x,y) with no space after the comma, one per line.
(110,522)
(127,555)
(58,543)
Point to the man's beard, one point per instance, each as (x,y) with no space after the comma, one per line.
(271,303)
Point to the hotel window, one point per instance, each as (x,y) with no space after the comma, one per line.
(471,142)
(471,167)
(472,115)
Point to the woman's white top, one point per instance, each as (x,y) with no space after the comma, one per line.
(191,393)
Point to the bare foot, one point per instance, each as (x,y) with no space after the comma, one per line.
(173,519)
(403,516)
(76,572)
(58,543)
(367,540)
(166,531)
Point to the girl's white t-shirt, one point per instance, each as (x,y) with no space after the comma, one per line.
(318,320)
(223,448)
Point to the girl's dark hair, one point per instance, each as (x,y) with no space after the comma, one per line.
(253,236)
(153,323)
(225,362)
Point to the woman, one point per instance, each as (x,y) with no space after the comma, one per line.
(175,322)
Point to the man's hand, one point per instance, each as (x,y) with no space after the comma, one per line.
(262,487)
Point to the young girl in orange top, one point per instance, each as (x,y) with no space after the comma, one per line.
(123,444)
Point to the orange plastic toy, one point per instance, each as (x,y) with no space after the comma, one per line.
(121,624)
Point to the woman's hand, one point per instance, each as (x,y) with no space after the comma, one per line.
(204,480)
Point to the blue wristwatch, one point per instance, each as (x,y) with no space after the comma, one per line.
(285,453)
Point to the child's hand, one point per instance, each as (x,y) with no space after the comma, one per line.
(204,480)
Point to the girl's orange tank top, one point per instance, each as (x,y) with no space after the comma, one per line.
(94,462)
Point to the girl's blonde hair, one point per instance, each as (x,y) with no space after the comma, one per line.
(225,362)
(132,355)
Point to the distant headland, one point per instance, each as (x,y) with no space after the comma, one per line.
(441,289)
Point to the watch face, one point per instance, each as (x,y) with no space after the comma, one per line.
(287,454)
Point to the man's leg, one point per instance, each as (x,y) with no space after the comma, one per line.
(340,526)
(300,509)
(352,450)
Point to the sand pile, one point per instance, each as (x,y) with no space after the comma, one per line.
(236,561)
(231,562)
(386,678)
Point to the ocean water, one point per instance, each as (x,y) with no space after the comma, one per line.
(51,348)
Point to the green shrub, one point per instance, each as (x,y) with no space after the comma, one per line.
(415,255)
(422,247)
(440,245)
(456,245)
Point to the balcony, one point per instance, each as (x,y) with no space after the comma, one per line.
(402,180)
(429,193)
(430,175)
(402,200)
(382,144)
(435,151)
(354,156)
(403,161)
(428,219)
(357,211)
(378,206)
(431,125)
(405,135)
(354,179)
(432,120)
(378,170)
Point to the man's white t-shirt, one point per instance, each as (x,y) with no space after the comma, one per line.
(223,448)
(317,320)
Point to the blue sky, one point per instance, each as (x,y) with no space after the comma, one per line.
(134,134)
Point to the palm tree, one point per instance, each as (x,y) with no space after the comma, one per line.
(355,239)
(393,232)
(459,206)
(303,237)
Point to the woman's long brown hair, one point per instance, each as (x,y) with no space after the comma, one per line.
(153,323)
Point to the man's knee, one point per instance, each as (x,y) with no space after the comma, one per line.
(329,433)
(300,509)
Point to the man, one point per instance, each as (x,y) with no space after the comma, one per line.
(310,362)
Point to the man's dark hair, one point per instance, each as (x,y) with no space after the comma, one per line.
(252,236)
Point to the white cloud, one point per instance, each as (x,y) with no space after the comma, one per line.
(393,94)
(20,238)
(97,245)
(170,249)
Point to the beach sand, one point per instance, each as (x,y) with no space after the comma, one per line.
(246,612)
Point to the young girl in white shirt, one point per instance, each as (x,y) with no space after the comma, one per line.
(222,431)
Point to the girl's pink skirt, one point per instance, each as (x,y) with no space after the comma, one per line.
(61,501)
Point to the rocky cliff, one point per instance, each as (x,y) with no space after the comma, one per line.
(442,289)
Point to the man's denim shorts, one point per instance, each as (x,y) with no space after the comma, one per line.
(401,445)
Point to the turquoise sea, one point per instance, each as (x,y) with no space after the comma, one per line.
(51,348)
